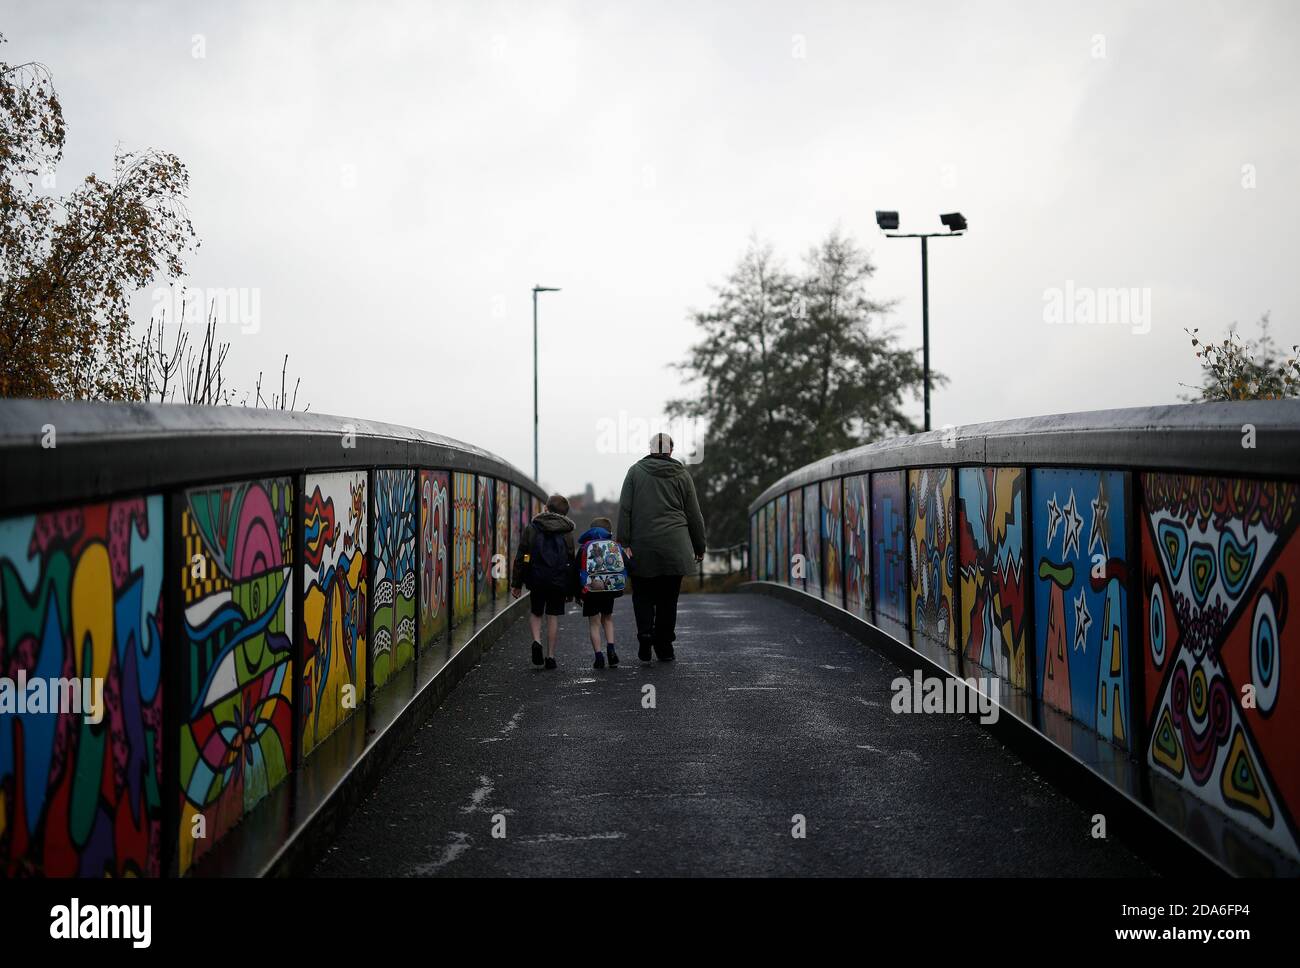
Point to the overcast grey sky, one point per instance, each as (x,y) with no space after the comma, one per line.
(394,177)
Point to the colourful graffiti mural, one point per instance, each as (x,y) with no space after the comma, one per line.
(485,526)
(768,541)
(1220,560)
(889,532)
(516,522)
(832,536)
(462,597)
(335,519)
(991,535)
(857,546)
(753,547)
(764,574)
(812,538)
(932,550)
(236,741)
(782,539)
(392,617)
(798,562)
(769,524)
(525,511)
(435,571)
(769,527)
(81,599)
(501,549)
(1081,599)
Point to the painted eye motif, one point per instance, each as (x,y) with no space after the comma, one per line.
(1157,627)
(1264,653)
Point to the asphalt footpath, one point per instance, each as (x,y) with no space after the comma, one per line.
(767,748)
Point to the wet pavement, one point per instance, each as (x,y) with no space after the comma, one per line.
(770,724)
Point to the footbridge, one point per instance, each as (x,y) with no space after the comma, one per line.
(308,661)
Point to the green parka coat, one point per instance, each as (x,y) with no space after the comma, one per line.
(659,518)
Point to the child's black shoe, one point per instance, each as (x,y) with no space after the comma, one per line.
(600,661)
(550,663)
(613,656)
(537,653)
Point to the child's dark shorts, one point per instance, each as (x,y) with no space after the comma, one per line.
(546,601)
(598,603)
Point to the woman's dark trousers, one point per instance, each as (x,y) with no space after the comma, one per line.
(654,602)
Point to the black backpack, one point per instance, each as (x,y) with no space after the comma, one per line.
(550,567)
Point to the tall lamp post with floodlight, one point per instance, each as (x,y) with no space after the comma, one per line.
(955,223)
(536,290)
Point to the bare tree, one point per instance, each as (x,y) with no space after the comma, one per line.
(280,401)
(197,375)
(204,376)
(155,369)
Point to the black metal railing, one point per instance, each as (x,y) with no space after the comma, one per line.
(719,564)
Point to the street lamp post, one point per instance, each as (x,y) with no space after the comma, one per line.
(956,225)
(536,290)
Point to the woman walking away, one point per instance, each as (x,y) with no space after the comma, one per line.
(662,530)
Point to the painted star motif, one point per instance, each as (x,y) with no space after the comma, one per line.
(1097,530)
(1073,527)
(1082,622)
(1053,519)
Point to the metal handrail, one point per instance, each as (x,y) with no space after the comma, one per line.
(54,452)
(1207,438)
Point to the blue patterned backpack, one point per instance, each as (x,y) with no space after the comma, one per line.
(602,568)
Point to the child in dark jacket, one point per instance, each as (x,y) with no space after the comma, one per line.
(602,576)
(545,563)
